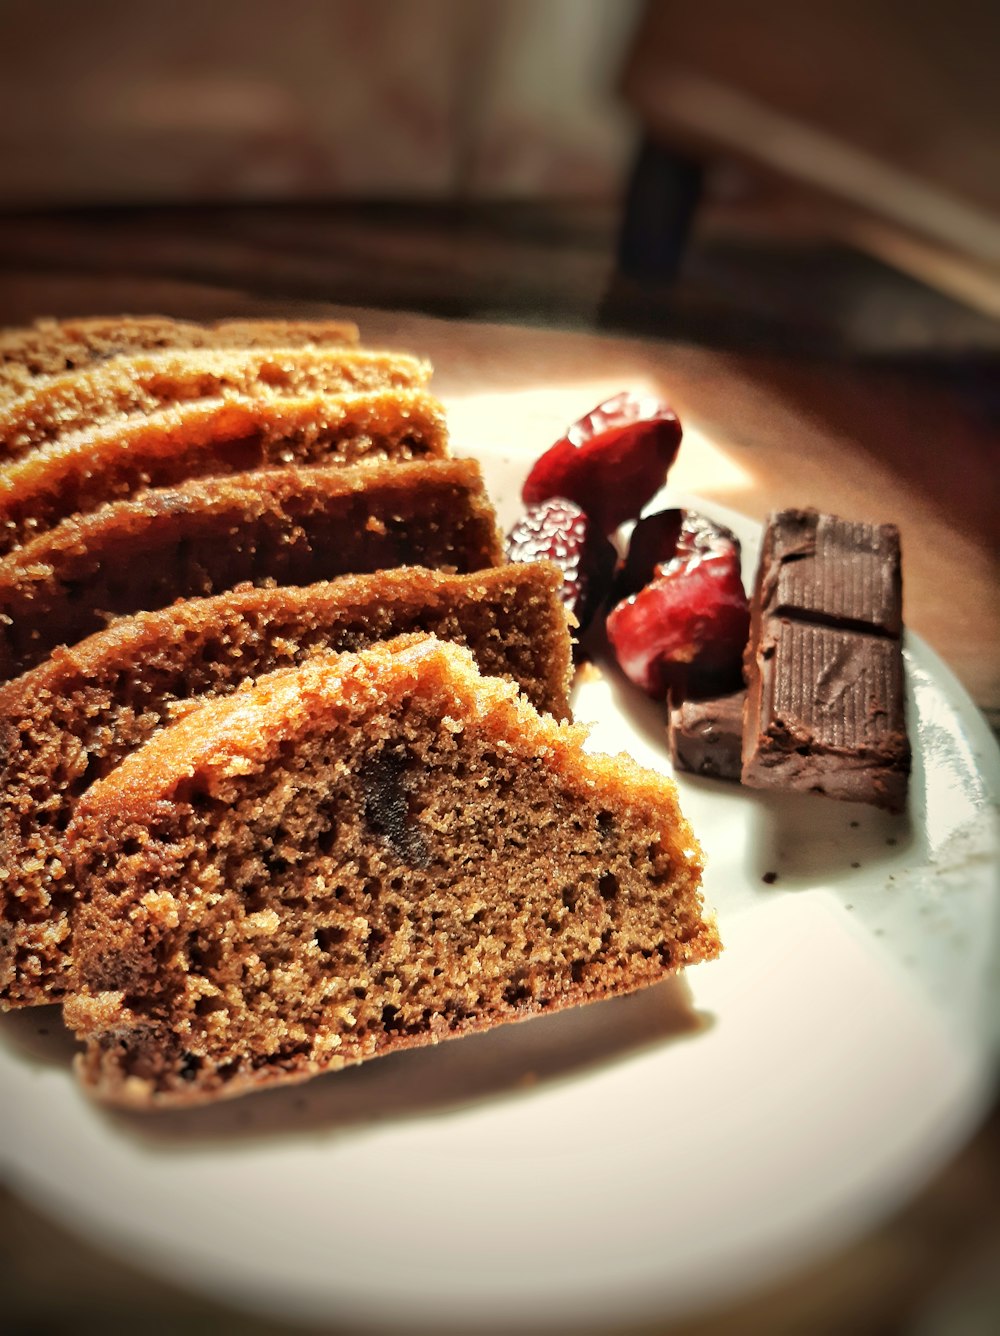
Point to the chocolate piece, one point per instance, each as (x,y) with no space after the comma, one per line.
(706,736)
(824,664)
(825,714)
(820,568)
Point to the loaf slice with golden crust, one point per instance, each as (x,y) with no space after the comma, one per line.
(71,720)
(120,459)
(359,855)
(284,526)
(147,382)
(49,347)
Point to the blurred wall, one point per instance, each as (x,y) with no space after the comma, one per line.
(128,100)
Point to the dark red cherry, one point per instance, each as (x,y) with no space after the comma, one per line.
(687,626)
(668,539)
(610,462)
(558,530)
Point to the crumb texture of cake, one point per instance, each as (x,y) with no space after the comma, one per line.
(50,347)
(284,526)
(211,438)
(72,719)
(146,382)
(361,854)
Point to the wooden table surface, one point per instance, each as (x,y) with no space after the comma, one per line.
(760,432)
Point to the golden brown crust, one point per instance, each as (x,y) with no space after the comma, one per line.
(410,852)
(289,526)
(375,600)
(115,460)
(69,721)
(249,730)
(148,382)
(49,347)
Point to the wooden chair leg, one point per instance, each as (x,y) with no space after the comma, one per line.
(660,202)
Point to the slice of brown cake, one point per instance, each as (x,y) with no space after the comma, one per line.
(363,854)
(147,382)
(285,526)
(71,720)
(119,459)
(49,347)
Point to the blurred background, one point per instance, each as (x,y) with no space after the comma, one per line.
(810,192)
(819,176)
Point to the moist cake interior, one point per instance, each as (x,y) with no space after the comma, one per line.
(357,856)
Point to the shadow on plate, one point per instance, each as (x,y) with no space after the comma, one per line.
(38,1035)
(510,1061)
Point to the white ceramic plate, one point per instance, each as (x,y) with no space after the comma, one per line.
(644,1157)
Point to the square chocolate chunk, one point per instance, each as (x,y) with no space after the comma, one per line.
(826,714)
(706,736)
(824,665)
(845,573)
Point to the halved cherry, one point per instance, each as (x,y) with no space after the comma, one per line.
(558,530)
(668,539)
(610,462)
(688,626)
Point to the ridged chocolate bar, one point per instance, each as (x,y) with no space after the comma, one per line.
(820,568)
(824,664)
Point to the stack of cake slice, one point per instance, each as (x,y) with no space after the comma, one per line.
(365,853)
(58,405)
(49,347)
(70,721)
(208,529)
